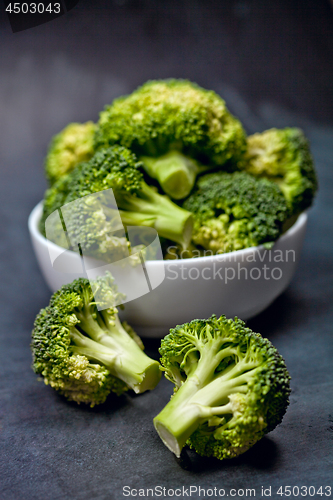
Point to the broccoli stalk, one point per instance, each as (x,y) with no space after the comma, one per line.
(106,342)
(86,353)
(202,397)
(154,210)
(175,172)
(231,388)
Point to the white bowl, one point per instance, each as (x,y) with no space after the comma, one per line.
(241,283)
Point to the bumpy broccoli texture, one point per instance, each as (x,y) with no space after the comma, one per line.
(235,210)
(74,144)
(91,221)
(177,128)
(85,353)
(231,388)
(284,157)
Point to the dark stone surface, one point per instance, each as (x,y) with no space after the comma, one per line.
(272,62)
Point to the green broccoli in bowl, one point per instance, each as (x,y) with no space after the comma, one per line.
(91,222)
(284,157)
(235,210)
(74,144)
(178,130)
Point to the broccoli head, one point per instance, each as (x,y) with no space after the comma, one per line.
(91,222)
(177,128)
(74,144)
(85,353)
(235,210)
(284,157)
(231,388)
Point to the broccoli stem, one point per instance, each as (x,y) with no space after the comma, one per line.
(112,347)
(175,172)
(204,394)
(154,210)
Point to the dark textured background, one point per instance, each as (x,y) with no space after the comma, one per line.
(272,62)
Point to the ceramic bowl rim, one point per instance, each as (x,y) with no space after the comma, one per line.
(35,215)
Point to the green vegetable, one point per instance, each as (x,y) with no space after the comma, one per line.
(74,144)
(91,222)
(54,198)
(179,130)
(235,210)
(231,388)
(85,353)
(284,157)
(175,172)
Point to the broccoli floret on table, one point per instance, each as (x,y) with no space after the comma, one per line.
(177,128)
(284,157)
(86,353)
(235,210)
(74,144)
(231,388)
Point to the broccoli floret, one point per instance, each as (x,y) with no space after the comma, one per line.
(177,128)
(54,197)
(85,353)
(74,144)
(284,157)
(231,387)
(91,221)
(235,210)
